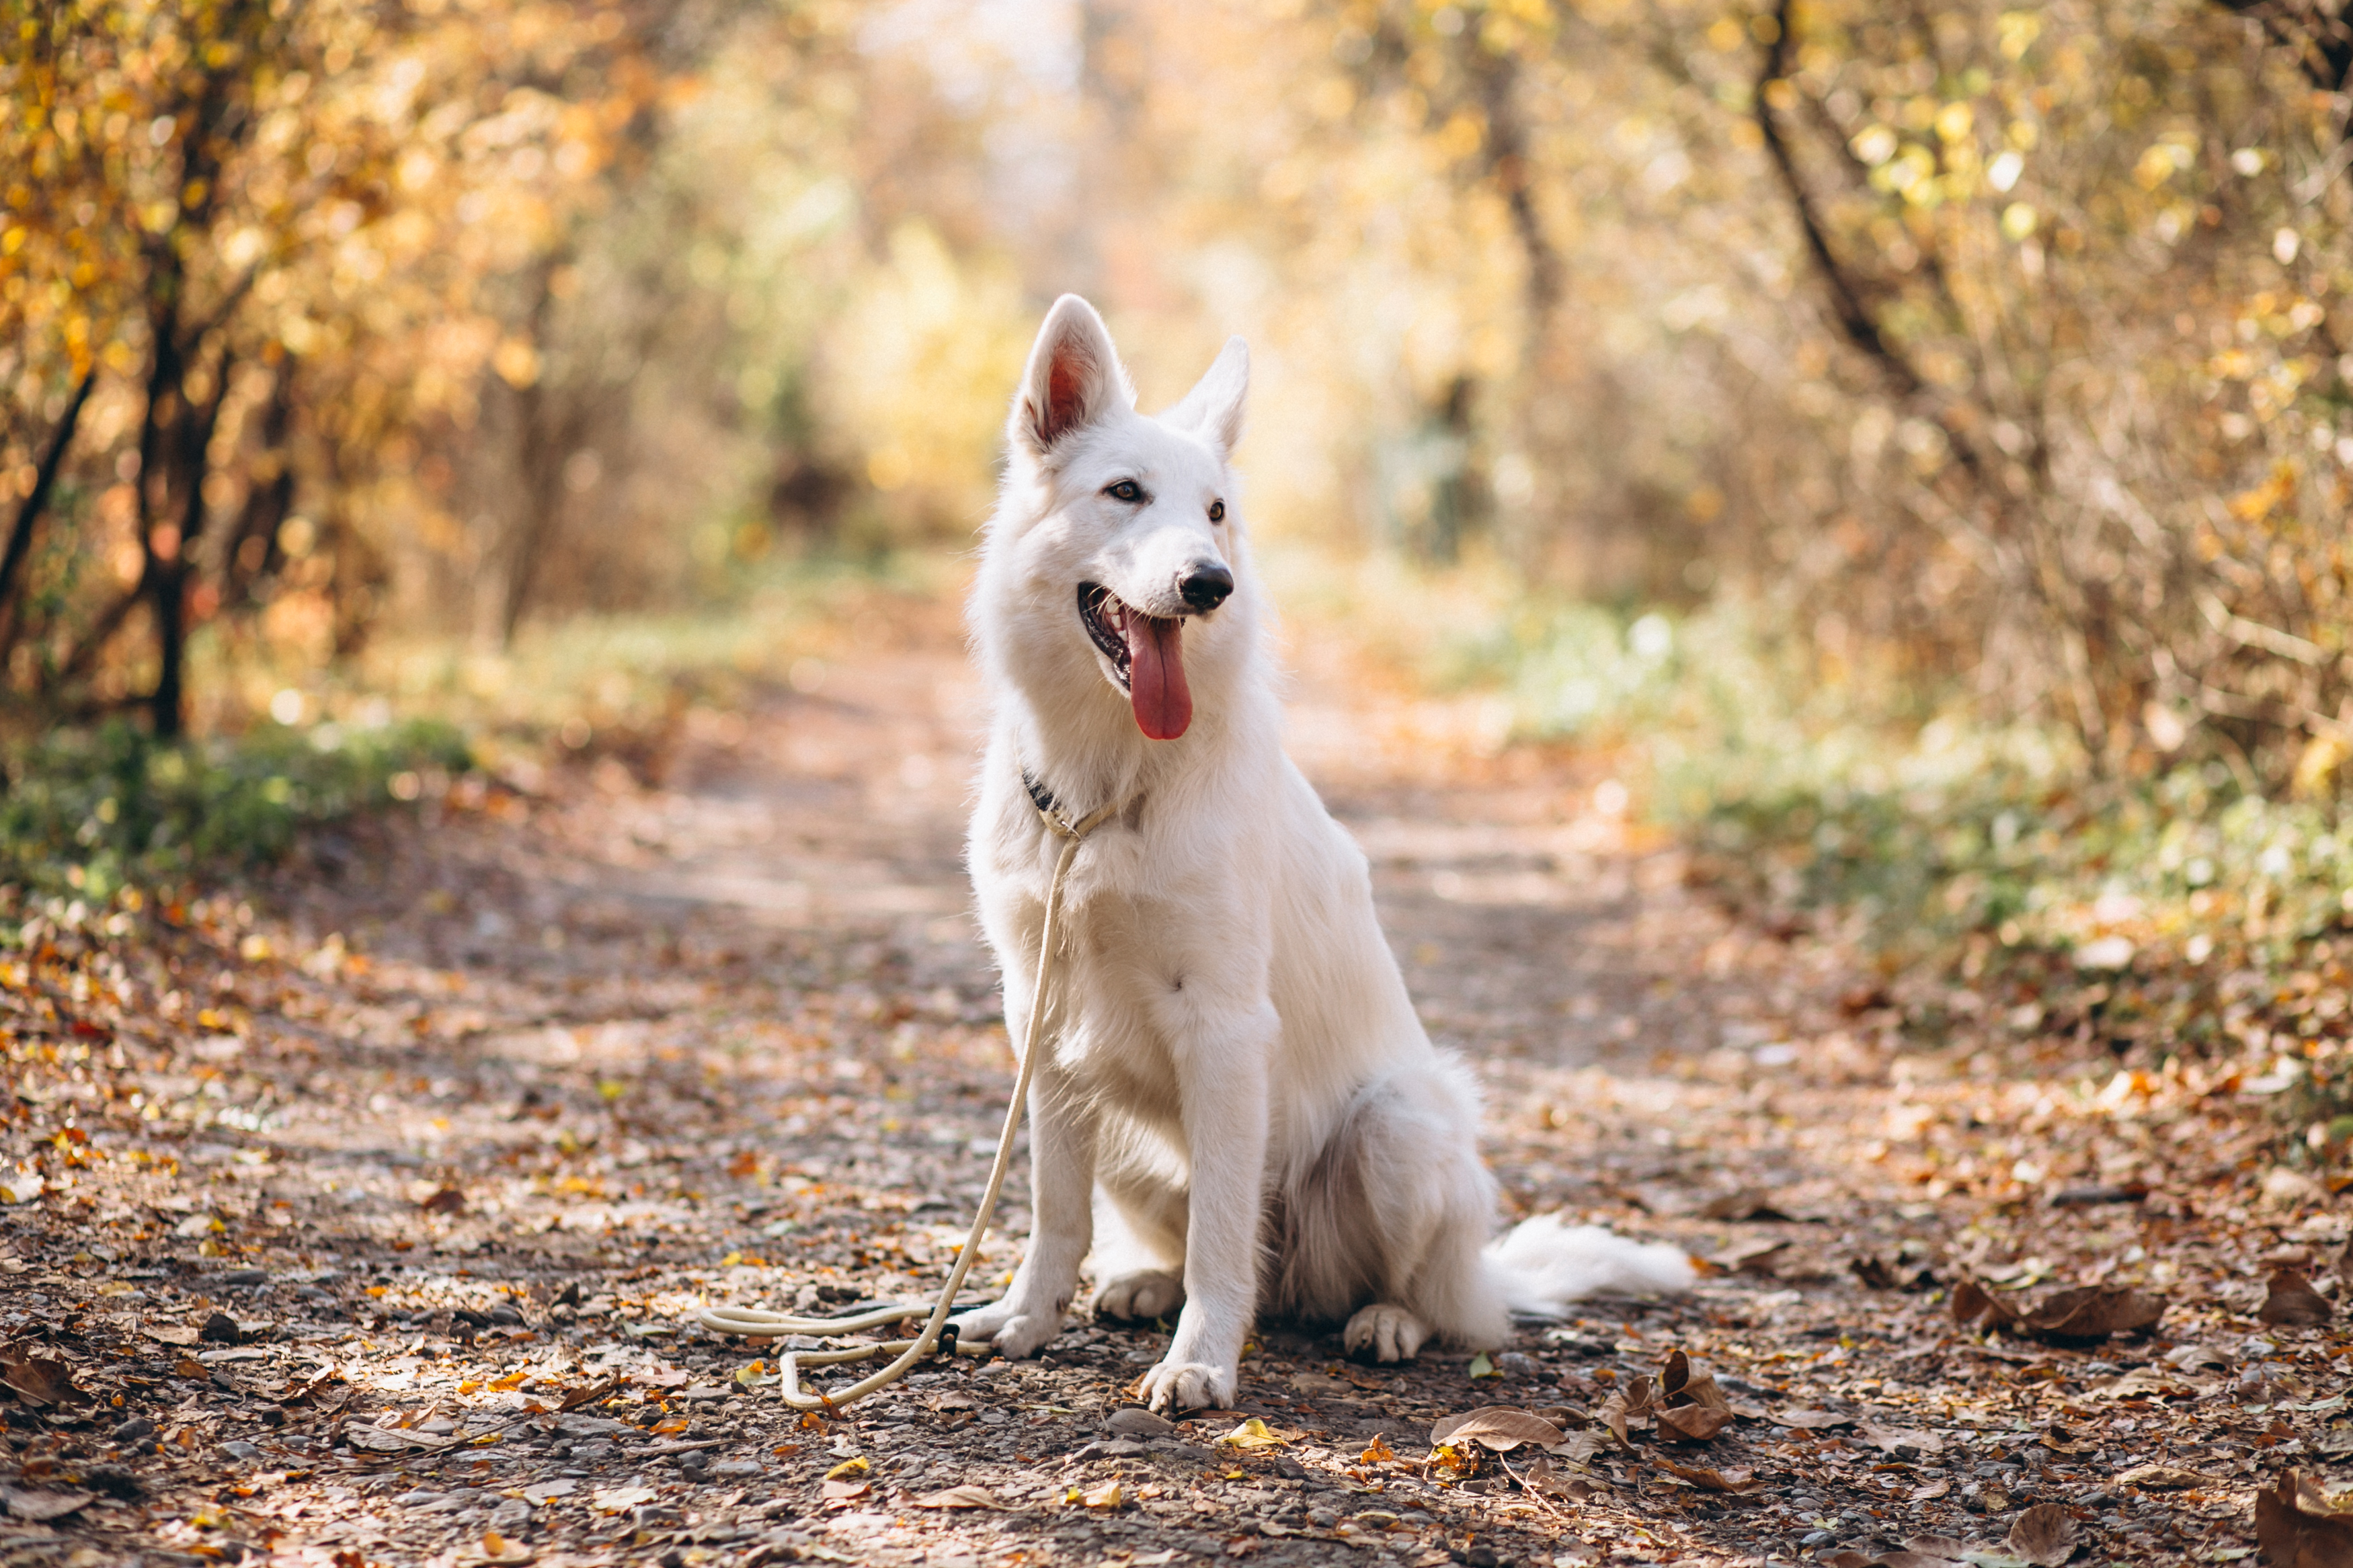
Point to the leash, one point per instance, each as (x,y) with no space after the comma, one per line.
(756,1322)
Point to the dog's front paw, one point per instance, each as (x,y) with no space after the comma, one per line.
(1010,1331)
(1186,1386)
(1383,1333)
(1140,1296)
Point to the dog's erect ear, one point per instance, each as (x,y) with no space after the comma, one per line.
(1074,377)
(1213,409)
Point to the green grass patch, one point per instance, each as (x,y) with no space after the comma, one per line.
(93,811)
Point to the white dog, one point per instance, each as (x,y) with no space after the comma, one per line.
(1239,1110)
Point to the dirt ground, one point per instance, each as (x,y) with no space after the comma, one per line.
(359,1213)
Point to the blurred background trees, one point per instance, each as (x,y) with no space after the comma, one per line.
(1992,354)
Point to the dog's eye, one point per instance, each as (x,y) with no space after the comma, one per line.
(1126,489)
(1217,512)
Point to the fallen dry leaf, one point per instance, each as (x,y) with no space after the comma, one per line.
(2079,1313)
(1878,1274)
(1692,1423)
(1814,1420)
(35,1506)
(1495,1427)
(1542,1476)
(1889,1439)
(1755,1256)
(2044,1535)
(1712,1480)
(40,1380)
(1253,1434)
(2154,1478)
(1680,1384)
(2299,1526)
(955,1497)
(444,1200)
(393,1439)
(2290,1301)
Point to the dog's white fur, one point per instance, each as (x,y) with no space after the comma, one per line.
(1239,1110)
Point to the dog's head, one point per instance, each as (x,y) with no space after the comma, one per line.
(1130,520)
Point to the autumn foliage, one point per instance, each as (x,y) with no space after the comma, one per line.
(1996,347)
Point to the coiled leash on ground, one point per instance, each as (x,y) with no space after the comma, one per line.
(754,1322)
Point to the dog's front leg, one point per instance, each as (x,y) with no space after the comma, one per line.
(1062,1228)
(1222,1071)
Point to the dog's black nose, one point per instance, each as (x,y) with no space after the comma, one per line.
(1205,587)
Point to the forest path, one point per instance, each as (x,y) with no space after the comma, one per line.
(465,1115)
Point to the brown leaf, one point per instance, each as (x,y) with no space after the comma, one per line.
(1888,1440)
(2298,1527)
(1496,1427)
(589,1395)
(965,1496)
(1748,1203)
(1875,1273)
(2292,1301)
(41,1380)
(1692,1423)
(220,1329)
(1944,1546)
(1628,1404)
(1680,1385)
(189,1366)
(843,1491)
(2081,1313)
(1542,1476)
(444,1200)
(39,1505)
(2154,1478)
(2044,1535)
(1879,1274)
(1714,1480)
(2095,1312)
(1755,1256)
(1813,1420)
(393,1439)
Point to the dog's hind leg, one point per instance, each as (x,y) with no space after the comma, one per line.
(1384,1228)
(1139,1250)
(1140,1215)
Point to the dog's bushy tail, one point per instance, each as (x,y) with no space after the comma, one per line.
(1540,1266)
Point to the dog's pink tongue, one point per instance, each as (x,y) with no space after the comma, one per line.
(1156,677)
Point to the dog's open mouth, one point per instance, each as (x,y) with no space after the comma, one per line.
(1146,654)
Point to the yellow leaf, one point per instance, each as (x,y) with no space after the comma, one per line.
(1378,1452)
(855,1466)
(1106,1495)
(1252,1435)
